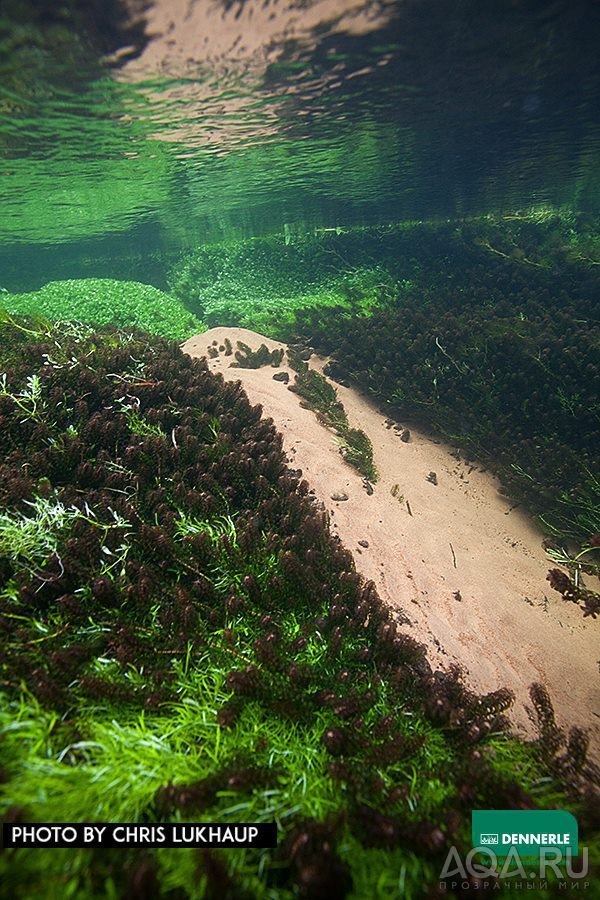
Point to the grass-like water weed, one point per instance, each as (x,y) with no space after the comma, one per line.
(355,445)
(185,640)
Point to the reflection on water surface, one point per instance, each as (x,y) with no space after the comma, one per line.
(226,119)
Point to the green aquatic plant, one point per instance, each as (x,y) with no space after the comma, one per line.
(129,407)
(206,649)
(355,445)
(576,512)
(358,451)
(574,562)
(473,332)
(30,537)
(571,586)
(246,358)
(105,300)
(33,326)
(262,283)
(314,388)
(31,542)
(29,399)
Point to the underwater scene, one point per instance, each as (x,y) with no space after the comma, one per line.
(299,449)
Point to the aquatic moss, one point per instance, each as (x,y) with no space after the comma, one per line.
(102,301)
(262,283)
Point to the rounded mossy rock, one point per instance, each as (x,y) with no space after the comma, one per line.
(104,301)
(262,283)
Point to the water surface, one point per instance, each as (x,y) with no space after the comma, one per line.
(172,123)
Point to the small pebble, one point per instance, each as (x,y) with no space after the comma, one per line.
(363,544)
(339,495)
(405,436)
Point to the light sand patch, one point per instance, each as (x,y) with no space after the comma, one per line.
(454,558)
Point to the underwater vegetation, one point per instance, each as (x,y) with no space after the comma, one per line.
(317,394)
(570,585)
(246,358)
(493,343)
(497,351)
(355,446)
(261,283)
(103,301)
(186,640)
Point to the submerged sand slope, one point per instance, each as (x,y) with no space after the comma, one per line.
(454,558)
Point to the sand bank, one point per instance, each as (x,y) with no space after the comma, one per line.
(464,570)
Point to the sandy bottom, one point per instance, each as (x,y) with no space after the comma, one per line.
(462,568)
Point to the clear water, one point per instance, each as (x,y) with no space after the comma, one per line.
(419,179)
(130,132)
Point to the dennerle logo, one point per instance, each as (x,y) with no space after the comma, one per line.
(541,840)
(531,830)
(519,849)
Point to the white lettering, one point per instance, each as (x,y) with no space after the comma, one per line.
(138,834)
(539,839)
(92,833)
